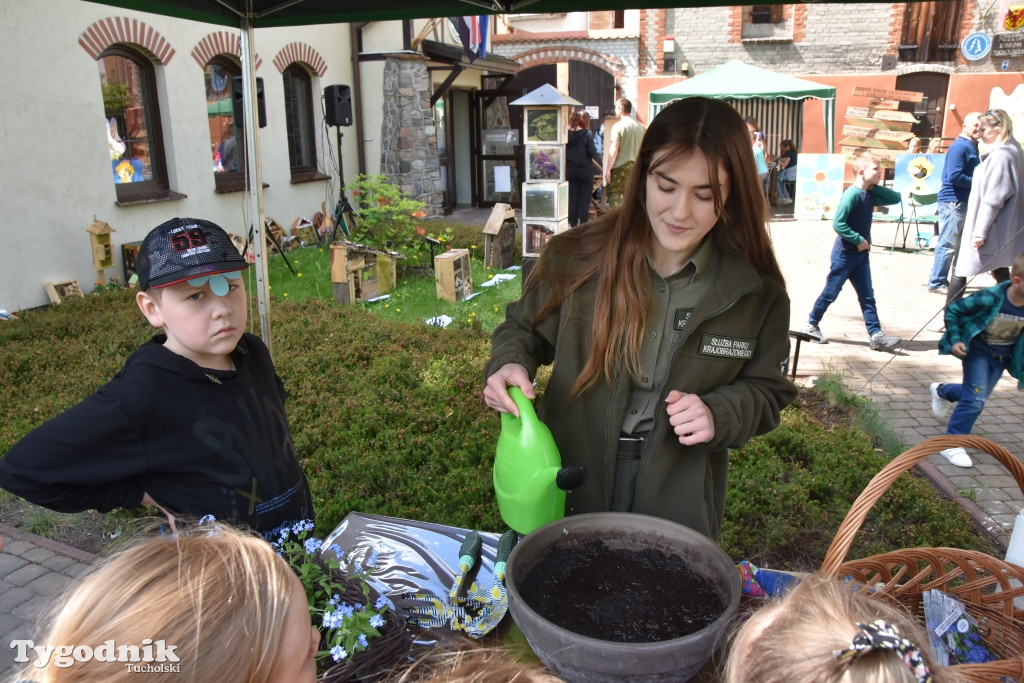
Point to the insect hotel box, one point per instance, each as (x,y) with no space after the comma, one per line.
(359,272)
(453,274)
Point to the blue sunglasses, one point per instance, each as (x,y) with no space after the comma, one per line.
(218,283)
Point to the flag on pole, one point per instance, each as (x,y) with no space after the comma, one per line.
(485,35)
(473,34)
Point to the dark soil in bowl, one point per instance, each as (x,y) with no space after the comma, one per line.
(620,595)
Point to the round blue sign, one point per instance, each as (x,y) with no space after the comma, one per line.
(976,46)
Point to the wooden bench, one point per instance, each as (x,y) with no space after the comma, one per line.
(800,337)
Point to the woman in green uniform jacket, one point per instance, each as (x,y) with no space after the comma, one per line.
(667,325)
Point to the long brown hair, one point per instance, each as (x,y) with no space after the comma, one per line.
(613,248)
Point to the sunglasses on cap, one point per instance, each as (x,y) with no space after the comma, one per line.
(995,114)
(218,283)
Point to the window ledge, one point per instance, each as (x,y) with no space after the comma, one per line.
(160,196)
(229,186)
(769,40)
(308,177)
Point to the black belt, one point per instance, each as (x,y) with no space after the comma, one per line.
(631,445)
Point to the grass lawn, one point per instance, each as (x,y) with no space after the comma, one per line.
(415,299)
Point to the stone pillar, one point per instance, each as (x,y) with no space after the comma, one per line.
(409,134)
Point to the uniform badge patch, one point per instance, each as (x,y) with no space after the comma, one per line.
(726,347)
(682,315)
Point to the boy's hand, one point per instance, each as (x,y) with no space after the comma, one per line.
(690,418)
(959,350)
(864,245)
(148,500)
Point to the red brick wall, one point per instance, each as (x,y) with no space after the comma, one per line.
(113,30)
(600,21)
(737,14)
(799,14)
(652,45)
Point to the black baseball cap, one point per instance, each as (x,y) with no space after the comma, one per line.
(184,248)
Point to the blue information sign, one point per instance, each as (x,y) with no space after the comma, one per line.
(976,46)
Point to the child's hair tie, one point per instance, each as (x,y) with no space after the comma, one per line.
(880,635)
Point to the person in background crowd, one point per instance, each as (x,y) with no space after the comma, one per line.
(957,171)
(626,136)
(995,211)
(850,261)
(984,330)
(582,163)
(787,171)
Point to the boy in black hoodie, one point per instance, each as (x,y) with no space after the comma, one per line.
(194,423)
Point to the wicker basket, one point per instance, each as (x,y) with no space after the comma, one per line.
(981,582)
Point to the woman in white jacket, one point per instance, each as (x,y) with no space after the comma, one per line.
(993,234)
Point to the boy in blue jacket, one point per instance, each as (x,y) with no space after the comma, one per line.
(850,251)
(984,330)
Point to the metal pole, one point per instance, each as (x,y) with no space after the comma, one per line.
(254,161)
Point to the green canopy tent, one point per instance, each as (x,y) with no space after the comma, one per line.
(738,81)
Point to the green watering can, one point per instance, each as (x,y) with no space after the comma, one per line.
(529,480)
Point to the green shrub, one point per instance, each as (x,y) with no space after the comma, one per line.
(388,418)
(790,489)
(388,219)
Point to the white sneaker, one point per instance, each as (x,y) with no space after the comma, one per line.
(940,406)
(815,332)
(957,456)
(880,341)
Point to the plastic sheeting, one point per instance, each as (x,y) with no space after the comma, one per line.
(411,556)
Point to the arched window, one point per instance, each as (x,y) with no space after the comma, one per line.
(227,141)
(298,111)
(131,112)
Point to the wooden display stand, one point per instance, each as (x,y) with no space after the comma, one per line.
(360,272)
(500,237)
(454,275)
(879,127)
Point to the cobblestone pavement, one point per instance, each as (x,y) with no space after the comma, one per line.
(898,382)
(33,572)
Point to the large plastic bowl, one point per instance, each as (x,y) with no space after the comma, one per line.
(581,659)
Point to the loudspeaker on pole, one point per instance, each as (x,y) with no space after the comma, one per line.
(338,105)
(238,96)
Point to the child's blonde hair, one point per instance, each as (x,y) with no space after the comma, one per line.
(863,159)
(475,665)
(1017,269)
(218,596)
(795,639)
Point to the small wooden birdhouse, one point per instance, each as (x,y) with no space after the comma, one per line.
(102,249)
(500,237)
